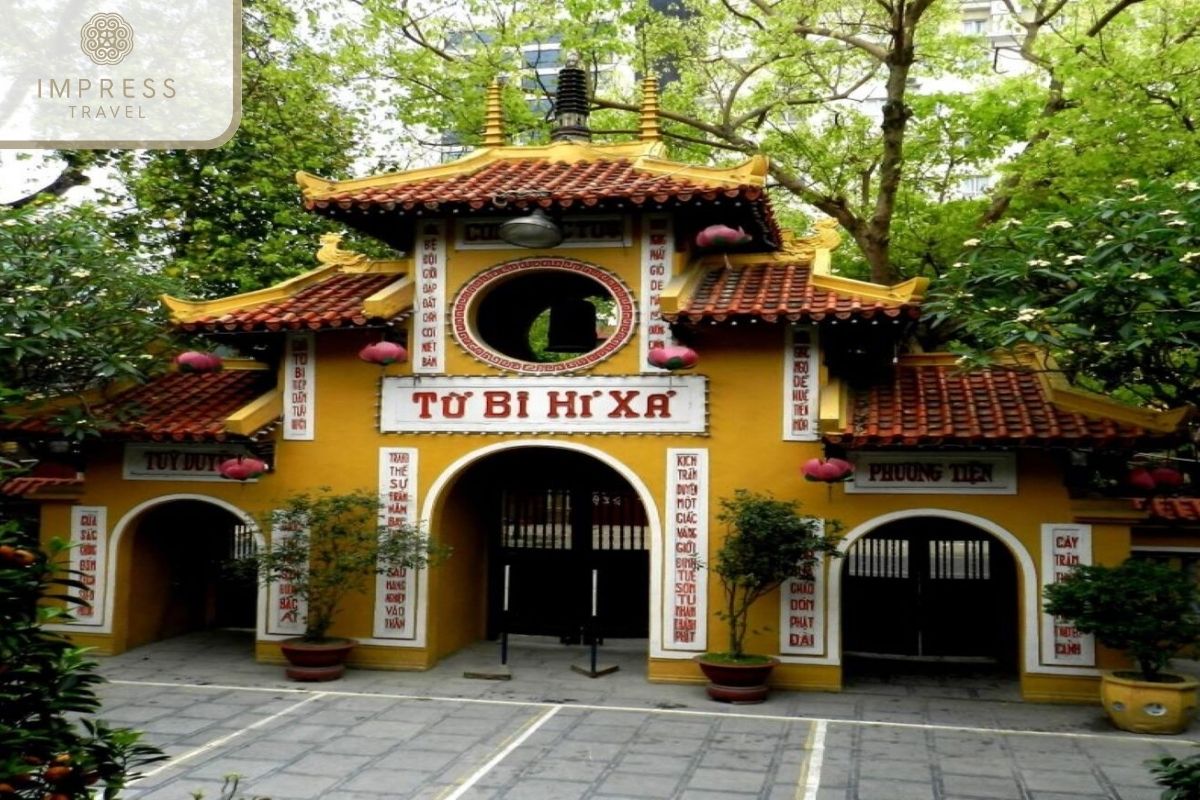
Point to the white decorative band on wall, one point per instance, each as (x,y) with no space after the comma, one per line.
(396,594)
(89,563)
(685,584)
(802,611)
(429,311)
(1065,546)
(300,388)
(801,393)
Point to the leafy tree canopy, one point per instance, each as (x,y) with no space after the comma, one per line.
(1109,288)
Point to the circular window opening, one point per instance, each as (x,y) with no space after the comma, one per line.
(543,315)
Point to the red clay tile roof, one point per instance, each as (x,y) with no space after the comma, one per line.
(334,302)
(777,291)
(1170,509)
(27,484)
(939,404)
(175,407)
(542,181)
(527,182)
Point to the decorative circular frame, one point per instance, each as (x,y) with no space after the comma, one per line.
(477,287)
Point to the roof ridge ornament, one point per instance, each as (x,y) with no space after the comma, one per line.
(650,126)
(331,253)
(571,104)
(493,115)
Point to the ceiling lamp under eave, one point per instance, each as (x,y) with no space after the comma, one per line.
(535,230)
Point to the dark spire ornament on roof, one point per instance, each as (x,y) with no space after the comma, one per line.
(571,104)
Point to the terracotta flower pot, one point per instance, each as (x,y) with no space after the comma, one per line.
(1148,707)
(736,683)
(316,661)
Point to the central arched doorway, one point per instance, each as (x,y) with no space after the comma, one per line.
(542,520)
(930,590)
(179,554)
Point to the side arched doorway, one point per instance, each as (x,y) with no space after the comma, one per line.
(930,589)
(178,576)
(542,519)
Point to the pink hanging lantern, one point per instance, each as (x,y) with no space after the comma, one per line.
(1140,478)
(1166,478)
(833,470)
(721,236)
(195,361)
(672,357)
(242,468)
(383,353)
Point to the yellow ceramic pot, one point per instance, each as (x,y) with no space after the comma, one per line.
(1144,707)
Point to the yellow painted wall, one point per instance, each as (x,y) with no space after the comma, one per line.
(744,365)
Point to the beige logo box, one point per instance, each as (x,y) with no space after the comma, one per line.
(120,73)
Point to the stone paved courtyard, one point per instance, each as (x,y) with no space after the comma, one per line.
(551,733)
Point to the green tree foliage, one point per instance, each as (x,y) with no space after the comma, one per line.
(76,308)
(862,105)
(229,219)
(1142,607)
(1109,288)
(767,541)
(335,544)
(51,744)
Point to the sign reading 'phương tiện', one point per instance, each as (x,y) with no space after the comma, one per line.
(933,473)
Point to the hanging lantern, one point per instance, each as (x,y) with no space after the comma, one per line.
(721,236)
(672,357)
(833,470)
(383,353)
(1166,478)
(242,468)
(1140,478)
(195,361)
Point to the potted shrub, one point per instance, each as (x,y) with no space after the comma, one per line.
(336,545)
(1148,610)
(767,542)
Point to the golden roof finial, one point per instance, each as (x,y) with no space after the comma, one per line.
(493,115)
(651,131)
(330,253)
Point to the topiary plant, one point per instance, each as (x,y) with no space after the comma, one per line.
(768,541)
(50,745)
(1142,607)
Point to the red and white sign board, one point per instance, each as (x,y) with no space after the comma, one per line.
(685,587)
(1065,547)
(286,613)
(178,462)
(658,248)
(396,589)
(933,473)
(511,404)
(802,614)
(88,562)
(429,317)
(580,230)
(299,386)
(801,398)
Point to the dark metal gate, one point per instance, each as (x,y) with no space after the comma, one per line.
(930,588)
(551,539)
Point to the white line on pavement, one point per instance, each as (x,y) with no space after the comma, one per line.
(1112,737)
(215,743)
(531,728)
(811,777)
